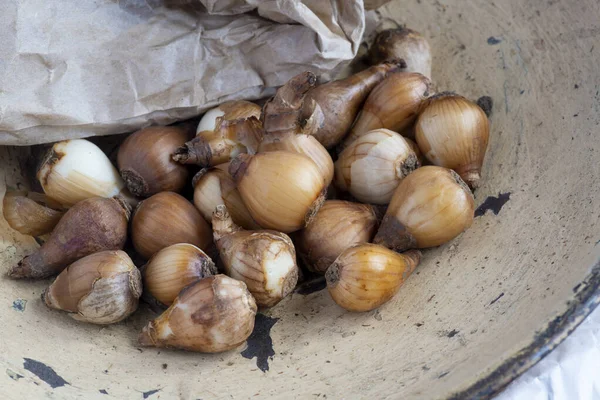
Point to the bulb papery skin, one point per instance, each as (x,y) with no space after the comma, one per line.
(366,276)
(75,170)
(282,190)
(102,288)
(453,132)
(372,166)
(230,129)
(263,259)
(213,315)
(430,207)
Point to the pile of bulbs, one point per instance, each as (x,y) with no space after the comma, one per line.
(265,175)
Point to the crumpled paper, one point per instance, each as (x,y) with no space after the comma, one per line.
(72,69)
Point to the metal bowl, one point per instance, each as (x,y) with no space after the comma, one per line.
(478,311)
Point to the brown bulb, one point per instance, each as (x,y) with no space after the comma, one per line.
(453,132)
(331,108)
(430,207)
(145,162)
(282,190)
(213,315)
(102,288)
(90,226)
(264,260)
(165,219)
(366,276)
(337,226)
(402,43)
(283,114)
(393,104)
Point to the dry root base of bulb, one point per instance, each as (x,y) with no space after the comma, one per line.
(90,226)
(213,315)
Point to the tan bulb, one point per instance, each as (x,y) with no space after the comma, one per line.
(366,276)
(264,260)
(282,190)
(453,132)
(213,315)
(102,288)
(173,268)
(30,213)
(430,207)
(393,104)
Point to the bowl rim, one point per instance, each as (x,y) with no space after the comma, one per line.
(583,303)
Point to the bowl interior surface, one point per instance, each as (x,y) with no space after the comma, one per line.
(477,311)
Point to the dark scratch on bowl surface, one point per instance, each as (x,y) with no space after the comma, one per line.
(260,344)
(150,393)
(44,372)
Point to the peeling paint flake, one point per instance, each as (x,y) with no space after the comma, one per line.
(19,305)
(260,344)
(44,372)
